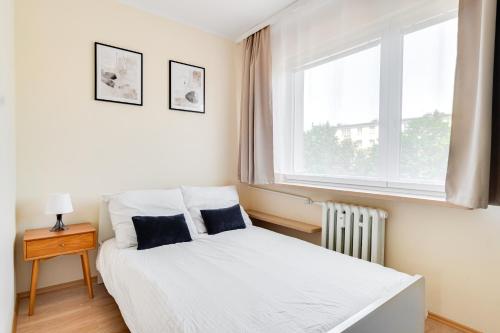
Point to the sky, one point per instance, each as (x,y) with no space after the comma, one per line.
(346,90)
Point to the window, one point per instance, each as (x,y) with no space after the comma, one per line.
(332,93)
(377,115)
(428,76)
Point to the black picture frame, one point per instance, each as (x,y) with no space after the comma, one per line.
(170,86)
(96,75)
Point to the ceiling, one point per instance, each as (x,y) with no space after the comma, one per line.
(227,18)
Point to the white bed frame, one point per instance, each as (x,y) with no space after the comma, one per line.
(401,312)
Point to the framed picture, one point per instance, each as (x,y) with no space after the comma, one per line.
(186,87)
(118,75)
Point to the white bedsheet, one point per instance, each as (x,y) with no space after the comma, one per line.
(249,280)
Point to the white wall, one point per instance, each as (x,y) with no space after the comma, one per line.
(69,142)
(457,250)
(7,165)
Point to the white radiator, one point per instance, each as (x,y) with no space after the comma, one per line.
(354,230)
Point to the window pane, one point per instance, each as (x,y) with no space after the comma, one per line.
(428,79)
(340,117)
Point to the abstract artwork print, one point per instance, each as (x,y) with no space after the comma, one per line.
(118,75)
(187,87)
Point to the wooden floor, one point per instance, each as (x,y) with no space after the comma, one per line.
(70,310)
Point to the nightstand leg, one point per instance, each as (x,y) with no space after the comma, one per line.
(86,273)
(83,269)
(34,280)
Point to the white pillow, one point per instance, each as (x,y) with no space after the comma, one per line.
(210,197)
(123,206)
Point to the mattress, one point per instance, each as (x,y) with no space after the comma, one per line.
(249,280)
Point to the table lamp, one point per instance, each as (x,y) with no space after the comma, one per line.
(59,203)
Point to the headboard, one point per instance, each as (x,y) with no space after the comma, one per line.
(105,228)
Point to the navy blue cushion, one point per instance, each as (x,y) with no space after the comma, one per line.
(223,219)
(153,231)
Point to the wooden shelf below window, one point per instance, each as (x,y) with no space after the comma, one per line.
(292,224)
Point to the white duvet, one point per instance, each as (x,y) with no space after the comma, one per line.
(249,280)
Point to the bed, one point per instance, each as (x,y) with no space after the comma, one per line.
(255,280)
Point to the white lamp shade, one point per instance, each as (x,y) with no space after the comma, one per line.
(59,203)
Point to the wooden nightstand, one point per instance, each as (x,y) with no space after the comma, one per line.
(43,244)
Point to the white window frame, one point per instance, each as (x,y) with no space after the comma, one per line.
(390,111)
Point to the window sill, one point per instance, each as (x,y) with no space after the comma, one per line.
(374,194)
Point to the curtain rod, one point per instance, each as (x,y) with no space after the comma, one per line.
(308,200)
(270,20)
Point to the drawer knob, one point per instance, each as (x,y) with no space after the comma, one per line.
(61,245)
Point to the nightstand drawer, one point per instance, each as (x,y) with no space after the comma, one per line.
(60,245)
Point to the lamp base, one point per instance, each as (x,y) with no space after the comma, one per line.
(59,226)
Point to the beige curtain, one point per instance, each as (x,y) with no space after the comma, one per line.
(256,127)
(468,177)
